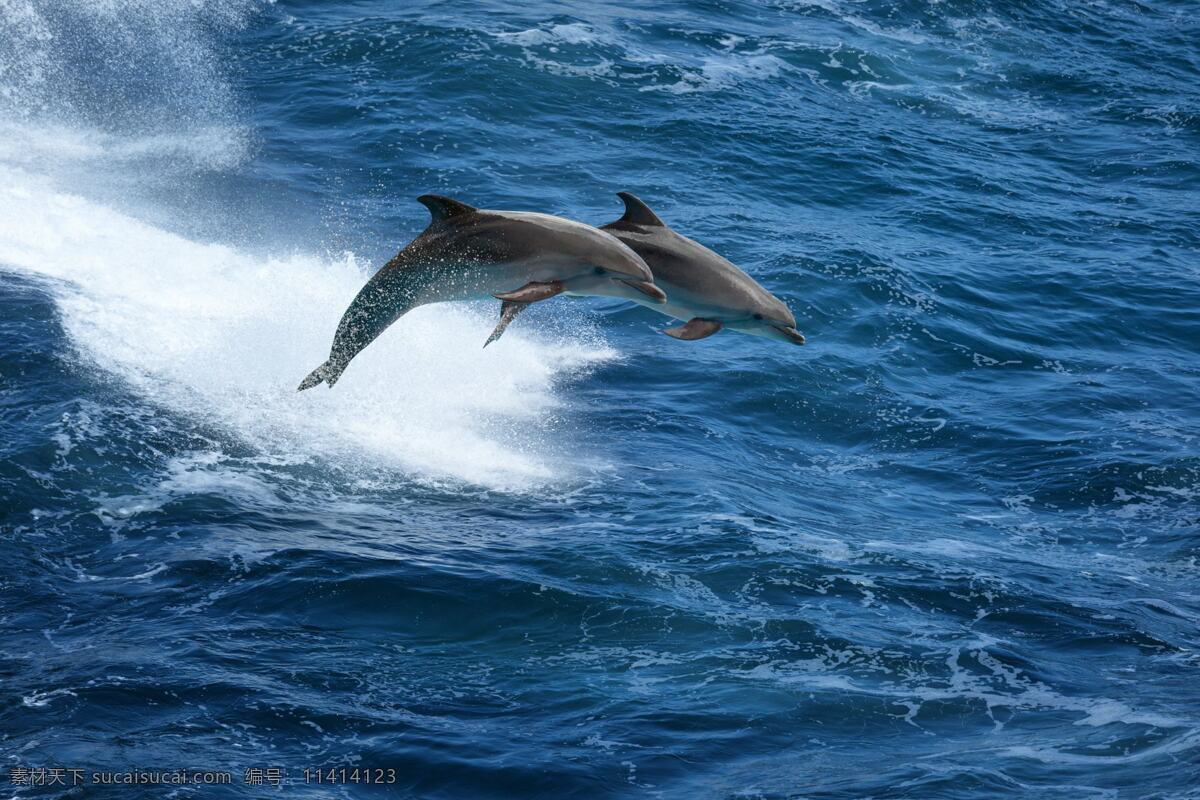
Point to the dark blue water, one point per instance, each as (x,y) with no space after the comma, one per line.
(947,550)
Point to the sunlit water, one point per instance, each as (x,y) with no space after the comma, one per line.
(948,549)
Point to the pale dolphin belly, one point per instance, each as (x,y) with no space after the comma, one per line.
(684,304)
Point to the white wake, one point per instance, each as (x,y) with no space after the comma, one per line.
(213,332)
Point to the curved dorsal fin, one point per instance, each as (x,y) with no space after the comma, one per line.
(638,212)
(441,208)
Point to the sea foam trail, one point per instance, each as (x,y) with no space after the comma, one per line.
(217,334)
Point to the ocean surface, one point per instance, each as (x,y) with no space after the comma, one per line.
(949,549)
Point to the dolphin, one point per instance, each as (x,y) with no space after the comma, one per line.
(467,253)
(704,289)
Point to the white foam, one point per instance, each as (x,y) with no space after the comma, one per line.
(215,333)
(723,71)
(543,46)
(561,33)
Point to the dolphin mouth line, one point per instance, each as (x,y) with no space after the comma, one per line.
(793,335)
(647,288)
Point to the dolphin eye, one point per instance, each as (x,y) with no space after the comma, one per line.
(758,316)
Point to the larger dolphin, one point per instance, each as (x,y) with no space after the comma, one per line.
(468,253)
(704,289)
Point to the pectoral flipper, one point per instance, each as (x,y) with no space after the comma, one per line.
(695,328)
(533,291)
(508,312)
(518,300)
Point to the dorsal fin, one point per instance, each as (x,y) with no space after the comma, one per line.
(441,208)
(638,212)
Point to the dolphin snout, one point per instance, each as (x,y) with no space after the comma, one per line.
(647,288)
(790,333)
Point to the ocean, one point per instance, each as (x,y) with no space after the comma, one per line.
(948,549)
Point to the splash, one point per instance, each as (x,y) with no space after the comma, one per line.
(214,332)
(135,88)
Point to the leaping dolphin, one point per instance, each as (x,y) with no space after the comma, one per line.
(706,290)
(468,253)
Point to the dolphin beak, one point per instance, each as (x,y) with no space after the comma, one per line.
(647,288)
(791,334)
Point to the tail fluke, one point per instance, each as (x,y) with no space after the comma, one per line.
(328,372)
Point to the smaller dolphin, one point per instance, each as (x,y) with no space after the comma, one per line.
(468,253)
(703,288)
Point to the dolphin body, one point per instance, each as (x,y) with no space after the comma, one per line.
(706,290)
(468,253)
